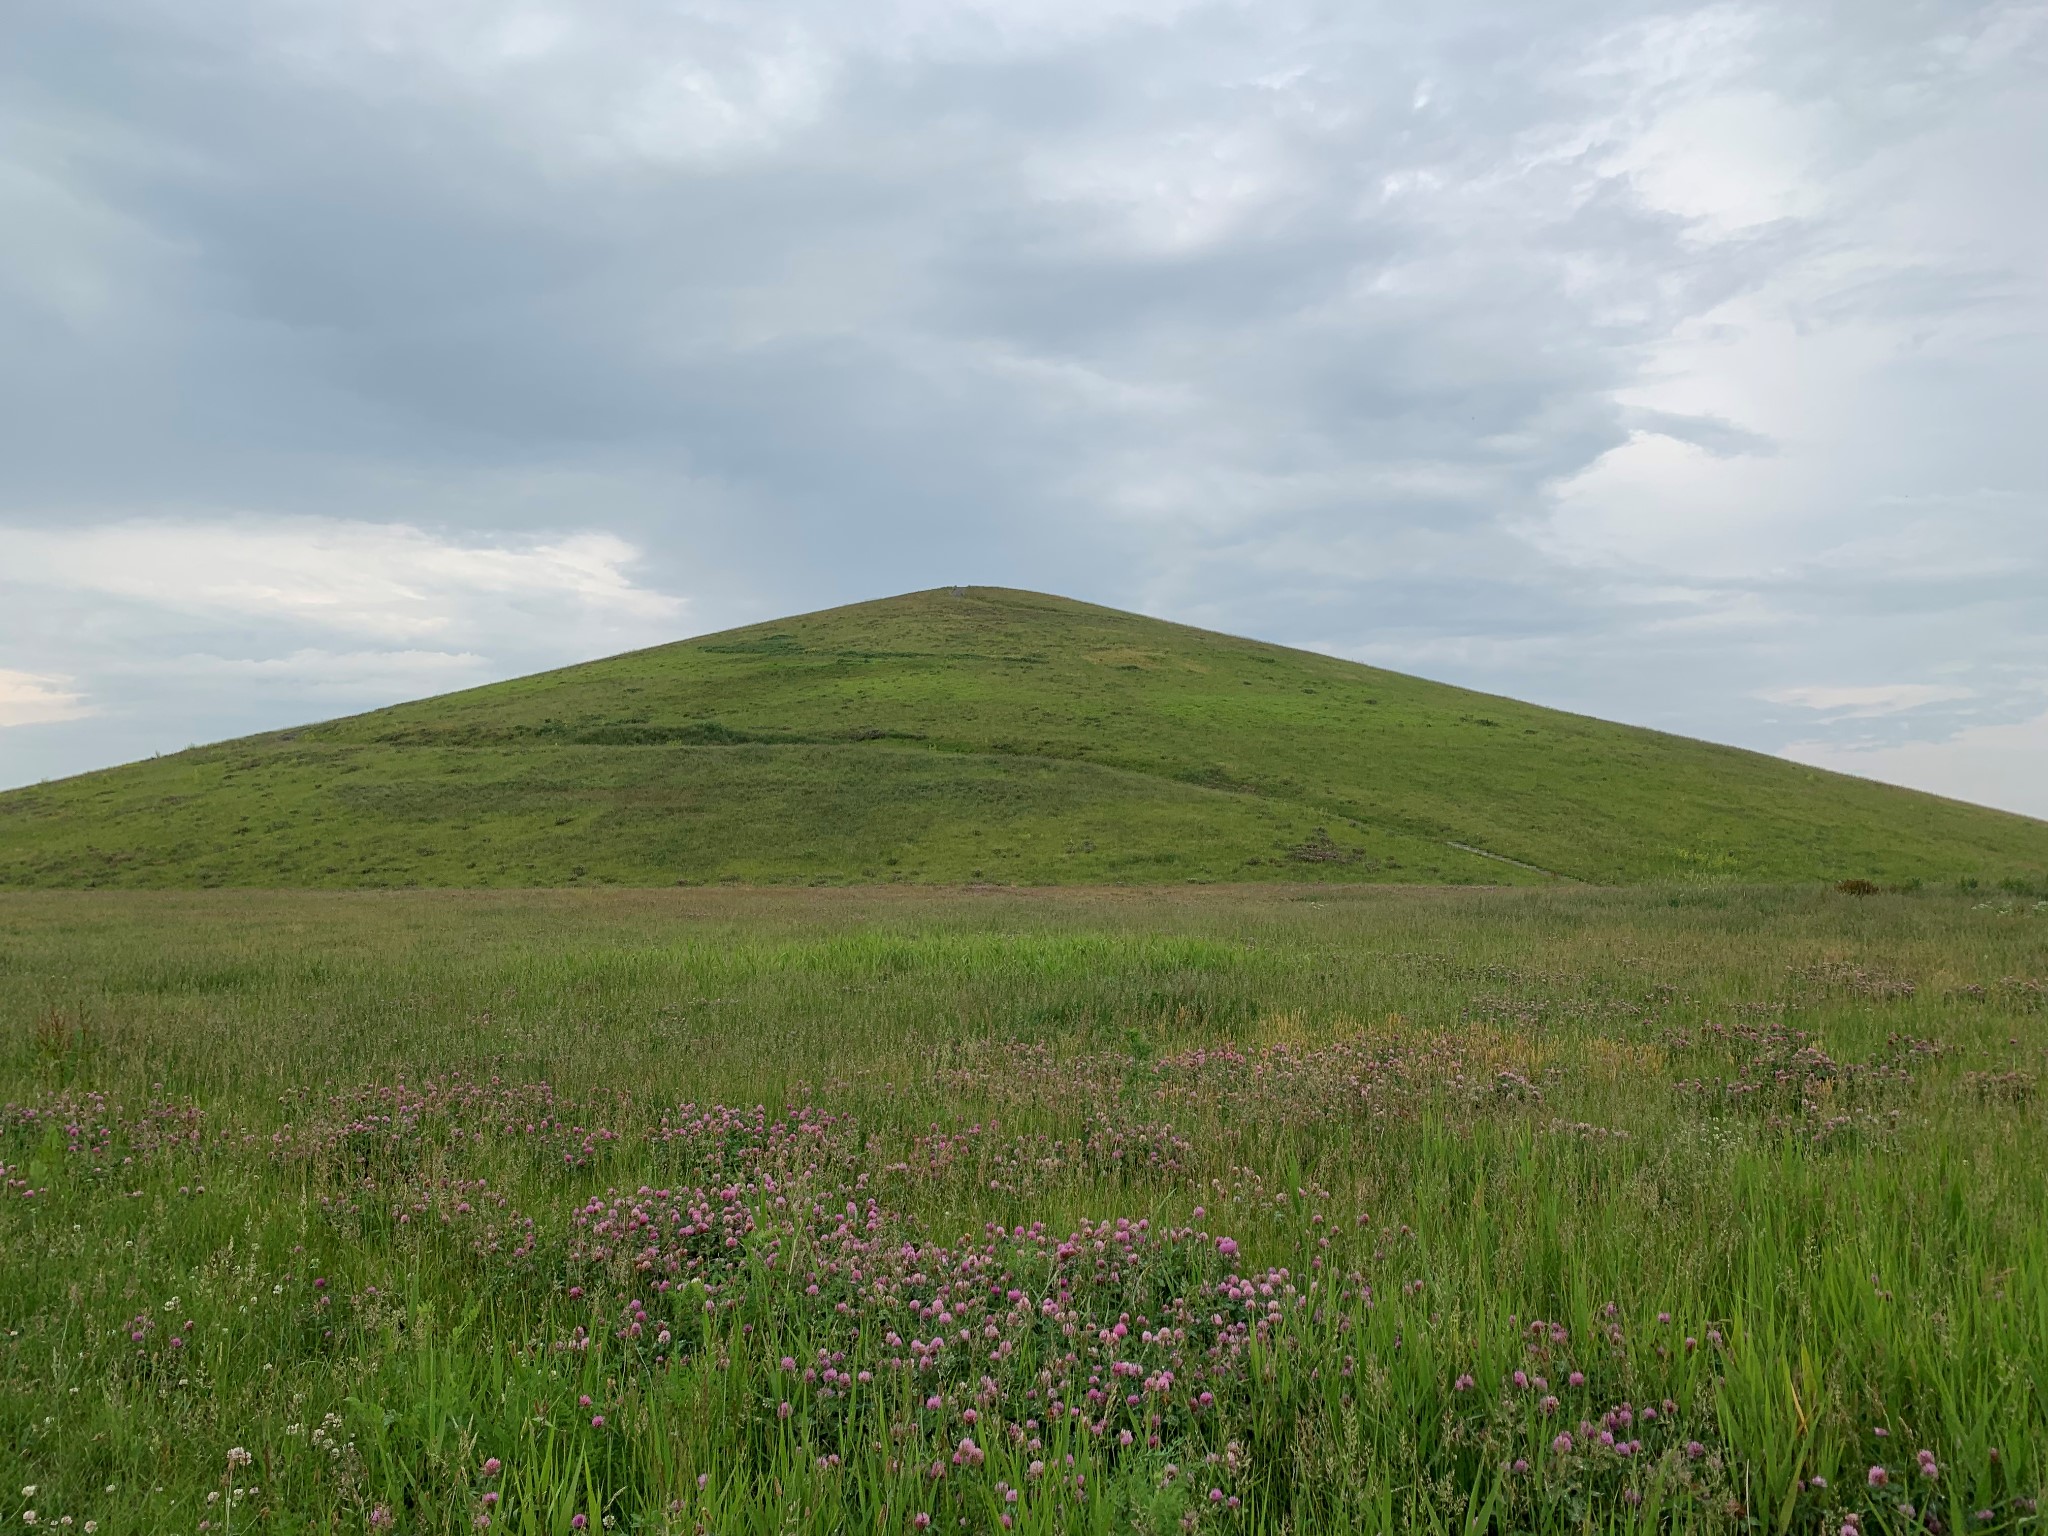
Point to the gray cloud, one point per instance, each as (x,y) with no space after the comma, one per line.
(1657,362)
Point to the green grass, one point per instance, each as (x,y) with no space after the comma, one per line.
(989,736)
(1806,1126)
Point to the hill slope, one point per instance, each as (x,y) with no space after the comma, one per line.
(979,734)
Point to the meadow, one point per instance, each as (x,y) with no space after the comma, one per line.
(1695,1207)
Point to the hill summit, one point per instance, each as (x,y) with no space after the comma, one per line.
(979,734)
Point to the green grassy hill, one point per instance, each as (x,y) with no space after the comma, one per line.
(980,734)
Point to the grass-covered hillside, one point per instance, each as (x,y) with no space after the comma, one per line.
(980,734)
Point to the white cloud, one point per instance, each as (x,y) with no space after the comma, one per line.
(1172,194)
(1895,310)
(328,666)
(1725,613)
(316,674)
(1729,161)
(184,631)
(383,580)
(2002,765)
(28,699)
(1461,653)
(1868,701)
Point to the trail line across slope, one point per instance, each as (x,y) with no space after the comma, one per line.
(1503,858)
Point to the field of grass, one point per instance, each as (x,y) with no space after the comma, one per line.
(981,735)
(1702,1208)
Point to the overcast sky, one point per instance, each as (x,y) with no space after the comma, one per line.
(1681,365)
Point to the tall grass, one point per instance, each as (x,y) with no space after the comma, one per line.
(1433,1195)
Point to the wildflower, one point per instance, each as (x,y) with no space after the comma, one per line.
(1563,1442)
(783,1410)
(1576,1379)
(920,1520)
(1877,1477)
(1521,1465)
(703,1481)
(1462,1384)
(578,1521)
(380,1518)
(1227,1246)
(237,1457)
(492,1466)
(597,1421)
(1928,1469)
